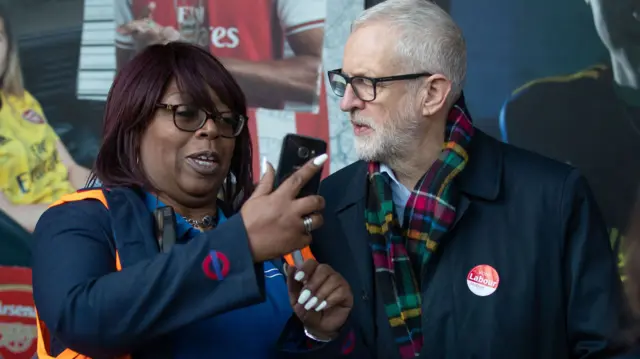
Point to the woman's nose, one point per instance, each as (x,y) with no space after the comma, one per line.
(209,129)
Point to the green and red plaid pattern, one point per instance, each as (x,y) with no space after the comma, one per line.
(429,214)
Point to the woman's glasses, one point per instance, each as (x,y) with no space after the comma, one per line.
(190,118)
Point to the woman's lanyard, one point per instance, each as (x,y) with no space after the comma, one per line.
(165,228)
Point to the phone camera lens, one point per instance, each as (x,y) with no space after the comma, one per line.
(303,152)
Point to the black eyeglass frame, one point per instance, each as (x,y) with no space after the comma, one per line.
(215,117)
(374,81)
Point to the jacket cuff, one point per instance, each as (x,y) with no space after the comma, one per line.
(293,340)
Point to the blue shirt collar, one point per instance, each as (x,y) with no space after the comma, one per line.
(395,184)
(183,227)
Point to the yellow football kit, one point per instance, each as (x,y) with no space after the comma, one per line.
(30,169)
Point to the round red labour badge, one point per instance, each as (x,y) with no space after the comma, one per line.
(18,331)
(483,280)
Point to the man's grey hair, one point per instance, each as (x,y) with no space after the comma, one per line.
(428,38)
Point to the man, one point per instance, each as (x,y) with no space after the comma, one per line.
(590,119)
(444,4)
(455,245)
(251,44)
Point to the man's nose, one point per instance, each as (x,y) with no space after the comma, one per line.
(350,101)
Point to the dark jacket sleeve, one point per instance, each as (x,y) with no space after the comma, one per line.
(592,284)
(96,311)
(294,344)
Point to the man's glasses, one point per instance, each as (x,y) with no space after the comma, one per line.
(364,87)
(190,118)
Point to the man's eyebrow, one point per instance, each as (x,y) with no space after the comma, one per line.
(362,73)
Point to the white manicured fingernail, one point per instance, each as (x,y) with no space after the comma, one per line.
(311,303)
(304,296)
(321,306)
(263,166)
(299,276)
(320,160)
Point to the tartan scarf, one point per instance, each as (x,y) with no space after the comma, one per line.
(429,213)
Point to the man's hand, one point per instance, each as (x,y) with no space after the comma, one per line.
(320,297)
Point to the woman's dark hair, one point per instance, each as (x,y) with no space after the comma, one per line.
(132,103)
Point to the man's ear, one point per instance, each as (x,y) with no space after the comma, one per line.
(436,92)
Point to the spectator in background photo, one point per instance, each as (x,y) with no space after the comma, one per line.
(249,37)
(590,119)
(35,167)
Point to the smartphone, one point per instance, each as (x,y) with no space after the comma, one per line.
(296,151)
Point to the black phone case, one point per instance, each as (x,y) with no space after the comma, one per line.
(296,151)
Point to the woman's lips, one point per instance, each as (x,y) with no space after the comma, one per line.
(202,166)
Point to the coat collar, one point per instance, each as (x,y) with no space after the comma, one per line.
(480,179)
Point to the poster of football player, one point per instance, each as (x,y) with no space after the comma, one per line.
(590,118)
(274,51)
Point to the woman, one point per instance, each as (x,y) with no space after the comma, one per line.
(175,135)
(35,167)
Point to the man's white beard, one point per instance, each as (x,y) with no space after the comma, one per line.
(390,139)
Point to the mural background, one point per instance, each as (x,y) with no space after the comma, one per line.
(510,44)
(539,76)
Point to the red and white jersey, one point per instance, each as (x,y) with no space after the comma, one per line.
(253,30)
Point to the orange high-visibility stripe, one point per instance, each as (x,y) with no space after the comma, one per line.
(306,254)
(118,265)
(44,336)
(43,350)
(96,194)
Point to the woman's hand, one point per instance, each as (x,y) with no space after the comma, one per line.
(320,297)
(274,219)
